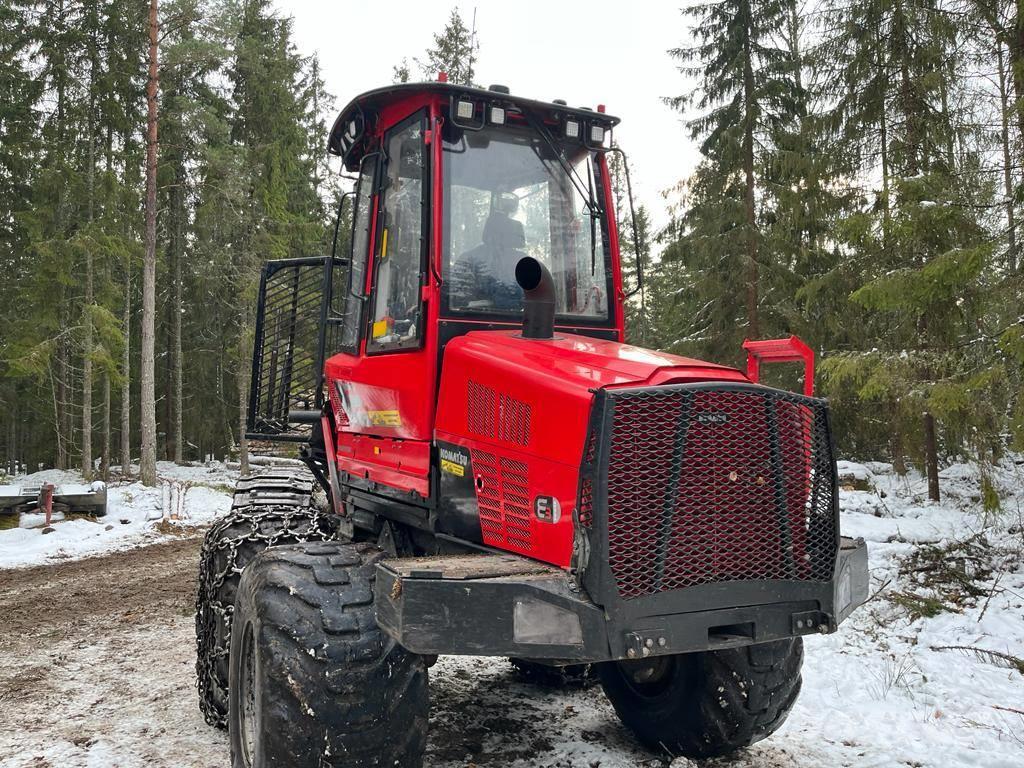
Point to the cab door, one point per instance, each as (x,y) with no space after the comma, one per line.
(387,392)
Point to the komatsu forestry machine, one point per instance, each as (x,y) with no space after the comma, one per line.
(493,471)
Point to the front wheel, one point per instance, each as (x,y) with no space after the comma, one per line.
(268,510)
(313,681)
(709,703)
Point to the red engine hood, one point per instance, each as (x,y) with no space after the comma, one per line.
(594,362)
(550,382)
(519,410)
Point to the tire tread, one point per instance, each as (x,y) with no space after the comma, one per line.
(267,510)
(358,699)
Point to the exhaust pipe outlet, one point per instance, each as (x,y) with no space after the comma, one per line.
(538,298)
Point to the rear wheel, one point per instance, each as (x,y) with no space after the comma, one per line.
(706,704)
(268,510)
(314,682)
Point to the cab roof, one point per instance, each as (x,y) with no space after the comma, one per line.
(349,130)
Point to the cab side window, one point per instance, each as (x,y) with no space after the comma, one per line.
(396,317)
(352,289)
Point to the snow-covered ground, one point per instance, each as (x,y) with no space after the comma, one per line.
(924,675)
(134,514)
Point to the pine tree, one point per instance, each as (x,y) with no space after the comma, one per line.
(401,73)
(924,250)
(147,465)
(743,76)
(72,163)
(282,214)
(454,52)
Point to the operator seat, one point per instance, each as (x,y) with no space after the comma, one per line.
(485,275)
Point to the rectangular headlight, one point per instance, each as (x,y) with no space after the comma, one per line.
(464,110)
(597,134)
(497,115)
(537,623)
(572,129)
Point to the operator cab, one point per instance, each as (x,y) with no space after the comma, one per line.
(454,186)
(448,220)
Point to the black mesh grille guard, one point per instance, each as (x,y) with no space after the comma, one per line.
(685,488)
(291,336)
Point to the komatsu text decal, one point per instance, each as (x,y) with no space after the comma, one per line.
(454,462)
(458,513)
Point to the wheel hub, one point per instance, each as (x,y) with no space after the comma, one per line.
(648,677)
(247,697)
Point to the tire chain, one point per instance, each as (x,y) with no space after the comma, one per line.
(278,510)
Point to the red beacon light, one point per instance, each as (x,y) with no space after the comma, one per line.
(442,77)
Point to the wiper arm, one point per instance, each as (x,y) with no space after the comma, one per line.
(592,208)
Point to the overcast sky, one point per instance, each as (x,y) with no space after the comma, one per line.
(587,53)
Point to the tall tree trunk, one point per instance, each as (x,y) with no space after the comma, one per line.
(147,470)
(87,343)
(177,309)
(63,411)
(87,340)
(63,391)
(167,418)
(884,140)
(126,370)
(105,461)
(243,407)
(931,457)
(1004,125)
(1016,50)
(908,99)
(948,123)
(753,325)
(57,418)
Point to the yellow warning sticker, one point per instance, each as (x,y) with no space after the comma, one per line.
(385,418)
(452,468)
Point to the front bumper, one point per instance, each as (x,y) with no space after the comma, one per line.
(498,605)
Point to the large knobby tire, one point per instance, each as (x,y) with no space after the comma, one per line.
(268,510)
(706,704)
(314,682)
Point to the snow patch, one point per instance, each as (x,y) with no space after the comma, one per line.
(133,513)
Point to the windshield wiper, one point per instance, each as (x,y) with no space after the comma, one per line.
(592,208)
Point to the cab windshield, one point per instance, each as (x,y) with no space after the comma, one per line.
(507,196)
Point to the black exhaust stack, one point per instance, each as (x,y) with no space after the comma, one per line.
(538,299)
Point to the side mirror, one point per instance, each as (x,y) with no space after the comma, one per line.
(632,217)
(337,224)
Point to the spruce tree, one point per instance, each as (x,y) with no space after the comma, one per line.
(743,77)
(453,52)
(924,251)
(282,214)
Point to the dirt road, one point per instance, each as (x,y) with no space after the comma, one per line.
(97,671)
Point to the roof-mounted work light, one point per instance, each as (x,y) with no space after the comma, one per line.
(596,136)
(464,113)
(497,116)
(572,129)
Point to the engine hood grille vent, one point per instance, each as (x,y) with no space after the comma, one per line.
(497,415)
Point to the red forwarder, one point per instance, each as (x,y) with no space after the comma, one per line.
(494,472)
